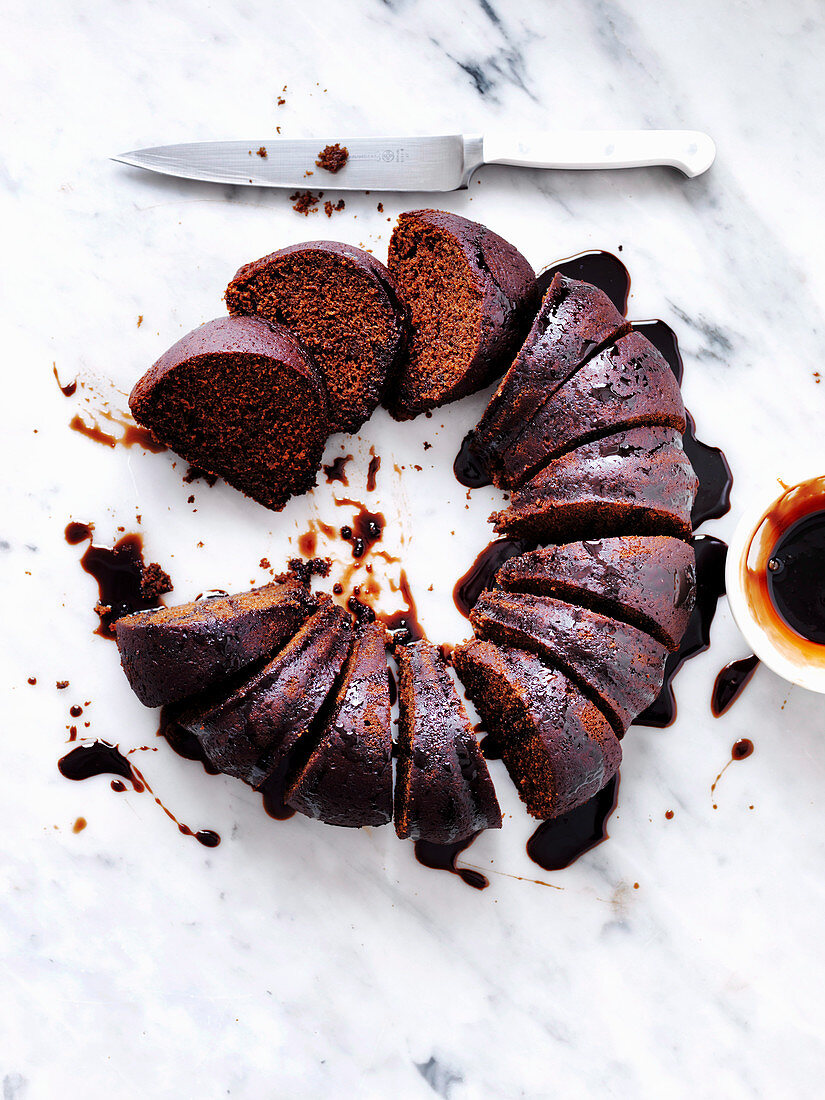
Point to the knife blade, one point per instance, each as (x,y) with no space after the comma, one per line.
(442,163)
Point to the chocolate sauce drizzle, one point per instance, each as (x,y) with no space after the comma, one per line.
(442,857)
(711,554)
(101,758)
(69,389)
(559,842)
(404,624)
(730,683)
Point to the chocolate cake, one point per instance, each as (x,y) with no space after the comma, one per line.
(575,320)
(249,729)
(171,653)
(637,482)
(239,398)
(626,385)
(558,747)
(347,777)
(648,581)
(618,666)
(443,790)
(343,306)
(471,295)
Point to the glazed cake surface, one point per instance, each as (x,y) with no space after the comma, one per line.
(347,778)
(443,789)
(636,482)
(558,747)
(617,665)
(249,730)
(629,384)
(574,321)
(171,653)
(647,580)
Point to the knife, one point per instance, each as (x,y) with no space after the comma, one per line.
(443,163)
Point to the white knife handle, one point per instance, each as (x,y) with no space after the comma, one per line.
(691,151)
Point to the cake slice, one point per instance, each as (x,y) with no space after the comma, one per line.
(241,399)
(347,777)
(558,747)
(250,729)
(471,297)
(170,653)
(343,306)
(626,385)
(575,320)
(646,580)
(638,482)
(618,666)
(443,790)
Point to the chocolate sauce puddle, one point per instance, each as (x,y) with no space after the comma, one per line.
(559,842)
(482,572)
(372,471)
(731,682)
(366,528)
(442,857)
(711,554)
(101,758)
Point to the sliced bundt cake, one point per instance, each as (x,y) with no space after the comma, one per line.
(626,385)
(170,653)
(617,665)
(471,296)
(443,790)
(343,306)
(574,321)
(241,399)
(347,777)
(250,729)
(634,482)
(647,580)
(558,747)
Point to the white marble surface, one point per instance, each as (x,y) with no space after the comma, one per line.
(295,960)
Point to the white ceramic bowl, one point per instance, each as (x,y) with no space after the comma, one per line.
(755,535)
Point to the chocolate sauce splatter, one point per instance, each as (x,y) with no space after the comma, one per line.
(481,573)
(372,472)
(442,857)
(559,842)
(125,582)
(336,470)
(403,624)
(101,758)
(132,435)
(69,389)
(366,528)
(730,683)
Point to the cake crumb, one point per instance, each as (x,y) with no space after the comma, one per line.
(380,208)
(281,101)
(61,685)
(154,581)
(195,473)
(332,158)
(140,320)
(262,152)
(329,209)
(190,499)
(304,202)
(264,563)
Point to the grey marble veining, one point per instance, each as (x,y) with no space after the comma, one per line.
(299,960)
